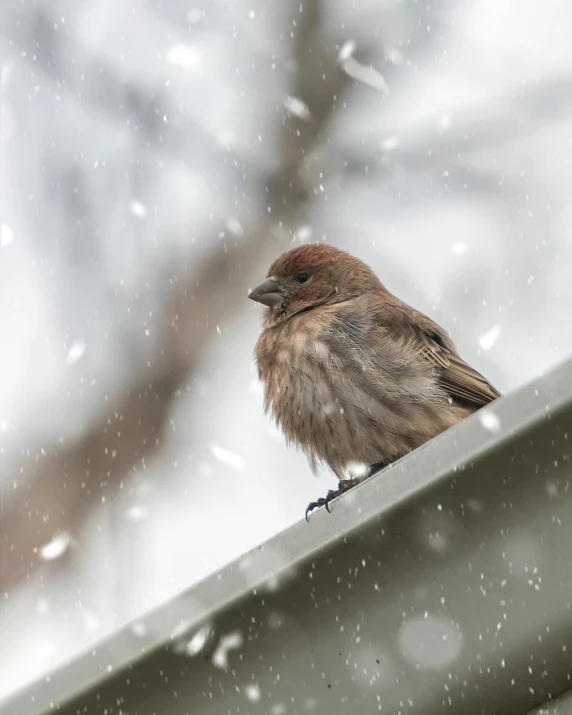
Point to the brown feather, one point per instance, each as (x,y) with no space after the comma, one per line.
(463,383)
(350,372)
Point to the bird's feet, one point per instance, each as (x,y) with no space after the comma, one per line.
(343,486)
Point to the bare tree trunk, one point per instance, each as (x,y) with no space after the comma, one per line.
(63,486)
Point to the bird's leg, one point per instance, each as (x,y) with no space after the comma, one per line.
(344,485)
(380,465)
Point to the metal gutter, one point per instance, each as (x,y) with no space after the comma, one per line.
(557,706)
(441,585)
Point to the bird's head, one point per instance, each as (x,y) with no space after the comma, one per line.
(312,275)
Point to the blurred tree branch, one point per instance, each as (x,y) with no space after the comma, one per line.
(95,83)
(450,137)
(63,485)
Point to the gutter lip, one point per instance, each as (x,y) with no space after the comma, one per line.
(447,456)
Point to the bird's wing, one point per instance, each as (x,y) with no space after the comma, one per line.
(462,382)
(464,385)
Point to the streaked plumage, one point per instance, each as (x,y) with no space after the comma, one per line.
(350,372)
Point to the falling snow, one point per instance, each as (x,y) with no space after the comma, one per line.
(445,121)
(227,643)
(298,108)
(6,236)
(76,351)
(139,629)
(303,234)
(365,74)
(252,692)
(234,226)
(185,56)
(488,339)
(198,641)
(394,56)
(154,171)
(223,455)
(136,512)
(55,548)
(357,469)
(489,420)
(347,50)
(390,143)
(138,209)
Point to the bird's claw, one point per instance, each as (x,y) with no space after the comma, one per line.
(315,504)
(343,487)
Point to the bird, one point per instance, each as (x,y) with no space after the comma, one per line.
(354,376)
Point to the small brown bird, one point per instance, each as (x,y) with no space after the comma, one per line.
(353,375)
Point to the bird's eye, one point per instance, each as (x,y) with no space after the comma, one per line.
(302,277)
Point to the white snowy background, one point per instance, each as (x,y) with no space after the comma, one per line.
(156,156)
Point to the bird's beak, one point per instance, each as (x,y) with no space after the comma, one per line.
(269,293)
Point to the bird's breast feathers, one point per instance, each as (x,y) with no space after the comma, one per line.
(341,399)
